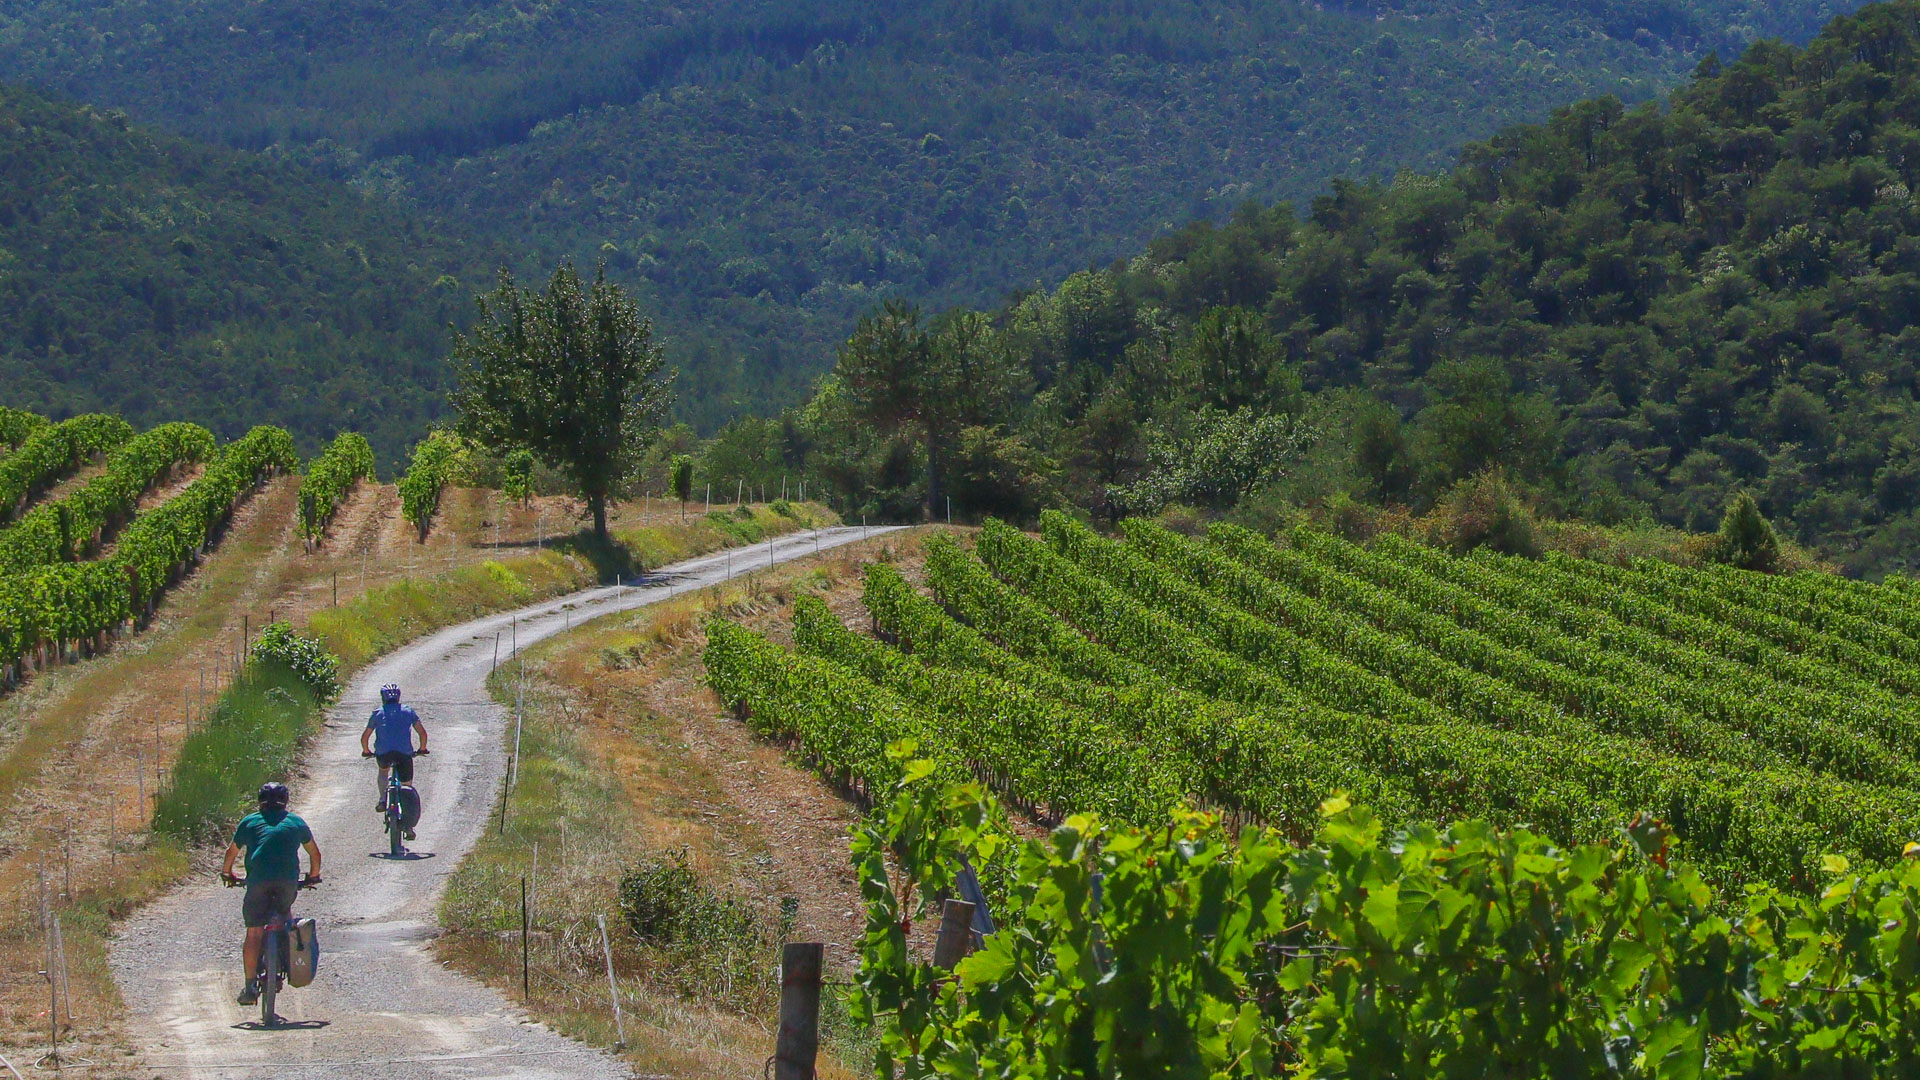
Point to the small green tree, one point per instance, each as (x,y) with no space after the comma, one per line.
(1746,539)
(518,481)
(682,481)
(571,374)
(1223,457)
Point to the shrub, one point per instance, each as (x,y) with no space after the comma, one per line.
(1485,512)
(304,656)
(718,946)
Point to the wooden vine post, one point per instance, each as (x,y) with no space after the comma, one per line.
(797,1046)
(955,940)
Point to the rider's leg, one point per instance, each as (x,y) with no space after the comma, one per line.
(256,937)
(380,786)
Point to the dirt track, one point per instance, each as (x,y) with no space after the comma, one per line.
(381,1002)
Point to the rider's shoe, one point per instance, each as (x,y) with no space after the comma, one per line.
(249,993)
(409,834)
(382,808)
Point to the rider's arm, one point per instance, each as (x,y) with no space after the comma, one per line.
(365,738)
(313,859)
(420,730)
(233,852)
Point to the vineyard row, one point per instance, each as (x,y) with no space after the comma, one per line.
(1080,673)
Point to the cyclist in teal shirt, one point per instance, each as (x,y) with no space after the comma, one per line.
(271,839)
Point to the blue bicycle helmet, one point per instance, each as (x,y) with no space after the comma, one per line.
(273,793)
(390,694)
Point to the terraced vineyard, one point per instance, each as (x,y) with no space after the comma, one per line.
(1769,720)
(80,566)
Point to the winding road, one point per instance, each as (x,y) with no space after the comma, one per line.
(381,1004)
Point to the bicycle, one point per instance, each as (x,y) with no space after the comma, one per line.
(274,950)
(394,816)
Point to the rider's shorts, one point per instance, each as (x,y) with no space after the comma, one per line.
(266,899)
(401,762)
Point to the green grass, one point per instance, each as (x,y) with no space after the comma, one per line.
(557,783)
(658,545)
(388,616)
(253,735)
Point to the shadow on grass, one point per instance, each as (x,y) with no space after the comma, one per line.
(609,558)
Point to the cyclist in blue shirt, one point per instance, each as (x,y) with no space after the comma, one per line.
(389,738)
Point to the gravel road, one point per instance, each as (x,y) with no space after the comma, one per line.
(380,1001)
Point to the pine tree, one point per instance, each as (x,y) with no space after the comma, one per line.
(1746,539)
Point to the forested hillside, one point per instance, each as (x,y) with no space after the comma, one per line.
(162,279)
(766,172)
(1633,311)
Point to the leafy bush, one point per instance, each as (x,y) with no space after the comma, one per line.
(738,523)
(713,938)
(1223,457)
(682,477)
(304,656)
(1485,512)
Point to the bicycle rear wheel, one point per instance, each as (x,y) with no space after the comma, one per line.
(270,985)
(394,847)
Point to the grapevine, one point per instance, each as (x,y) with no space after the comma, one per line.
(346,461)
(1181,948)
(16,425)
(437,461)
(53,451)
(74,526)
(46,610)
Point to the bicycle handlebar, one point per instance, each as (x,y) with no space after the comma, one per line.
(307,882)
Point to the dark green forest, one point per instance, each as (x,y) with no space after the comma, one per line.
(1633,312)
(166,280)
(762,173)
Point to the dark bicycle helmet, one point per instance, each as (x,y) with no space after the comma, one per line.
(390,694)
(273,793)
